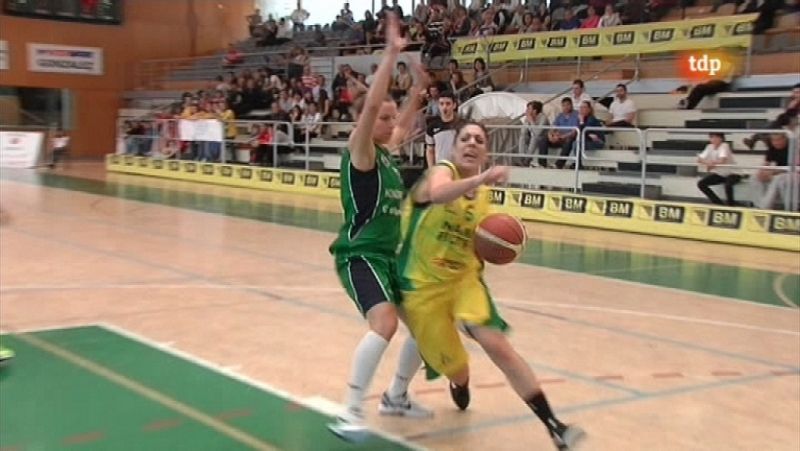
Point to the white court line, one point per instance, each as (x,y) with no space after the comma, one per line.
(146,286)
(315,405)
(777,286)
(685,319)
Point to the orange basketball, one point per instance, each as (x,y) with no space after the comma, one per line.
(500,238)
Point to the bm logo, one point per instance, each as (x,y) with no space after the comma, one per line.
(669,213)
(589,40)
(498,197)
(174,166)
(469,49)
(245,173)
(266,176)
(158,164)
(498,47)
(190,167)
(526,44)
(129,160)
(789,225)
(573,204)
(725,219)
(619,209)
(311,180)
(743,28)
(702,31)
(144,162)
(532,200)
(334,183)
(114,159)
(661,35)
(287,178)
(556,42)
(207,169)
(624,37)
(226,171)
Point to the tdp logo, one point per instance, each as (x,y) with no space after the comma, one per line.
(724,219)
(532,200)
(287,178)
(589,40)
(498,197)
(311,180)
(661,35)
(557,42)
(619,208)
(669,213)
(526,44)
(624,37)
(789,225)
(573,204)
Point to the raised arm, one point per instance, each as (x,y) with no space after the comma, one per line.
(440,188)
(362,150)
(411,108)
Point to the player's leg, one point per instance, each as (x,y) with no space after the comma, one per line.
(483,323)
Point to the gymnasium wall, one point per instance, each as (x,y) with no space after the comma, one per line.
(150,29)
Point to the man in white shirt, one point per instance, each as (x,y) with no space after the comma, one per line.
(299,16)
(579,94)
(717,153)
(60,143)
(622,109)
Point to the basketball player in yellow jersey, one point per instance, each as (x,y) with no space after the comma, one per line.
(442,284)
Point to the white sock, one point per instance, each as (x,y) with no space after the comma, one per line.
(365,360)
(407,366)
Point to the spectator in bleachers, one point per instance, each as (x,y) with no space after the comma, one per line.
(298,59)
(592,20)
(311,120)
(254,21)
(233,57)
(531,24)
(657,9)
(565,139)
(402,81)
(595,139)
(461,23)
(534,141)
(570,22)
(579,93)
(777,155)
(284,33)
(783,120)
(488,27)
(346,13)
(298,102)
(440,130)
(543,15)
(325,105)
(482,79)
(319,88)
(610,17)
(697,92)
(277,113)
(260,143)
(299,16)
(517,21)
(421,12)
(622,109)
(371,77)
(432,107)
(717,153)
(635,12)
(285,100)
(457,85)
(308,79)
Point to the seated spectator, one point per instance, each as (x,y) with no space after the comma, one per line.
(777,155)
(299,16)
(298,59)
(531,24)
(285,100)
(371,77)
(622,109)
(461,23)
(592,20)
(311,120)
(570,22)
(579,94)
(278,114)
(482,79)
(659,8)
(517,21)
(488,27)
(457,85)
(717,153)
(261,137)
(233,57)
(319,87)
(610,18)
(564,138)
(402,81)
(284,33)
(595,139)
(782,120)
(308,79)
(432,106)
(697,93)
(534,140)
(325,105)
(298,102)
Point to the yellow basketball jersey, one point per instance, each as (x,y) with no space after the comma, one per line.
(437,243)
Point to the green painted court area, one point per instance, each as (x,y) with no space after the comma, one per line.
(95,389)
(706,278)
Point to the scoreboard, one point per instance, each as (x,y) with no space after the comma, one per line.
(93,11)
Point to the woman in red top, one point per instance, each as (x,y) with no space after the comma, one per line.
(261,143)
(592,20)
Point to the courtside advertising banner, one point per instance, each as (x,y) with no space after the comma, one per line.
(200,130)
(65,59)
(20,149)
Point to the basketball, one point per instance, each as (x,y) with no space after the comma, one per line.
(500,238)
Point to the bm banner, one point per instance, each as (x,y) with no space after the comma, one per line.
(696,34)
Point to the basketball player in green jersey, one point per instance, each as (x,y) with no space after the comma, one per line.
(371,194)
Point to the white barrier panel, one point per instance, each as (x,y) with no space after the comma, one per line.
(20,149)
(200,130)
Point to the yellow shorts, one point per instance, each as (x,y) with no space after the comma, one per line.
(434,312)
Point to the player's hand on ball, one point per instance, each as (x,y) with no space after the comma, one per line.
(495,174)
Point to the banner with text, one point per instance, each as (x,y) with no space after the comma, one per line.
(20,149)
(200,130)
(65,59)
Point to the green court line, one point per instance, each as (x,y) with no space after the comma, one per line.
(47,398)
(707,278)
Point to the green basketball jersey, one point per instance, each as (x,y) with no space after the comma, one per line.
(372,207)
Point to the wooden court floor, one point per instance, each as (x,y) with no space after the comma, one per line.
(649,344)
